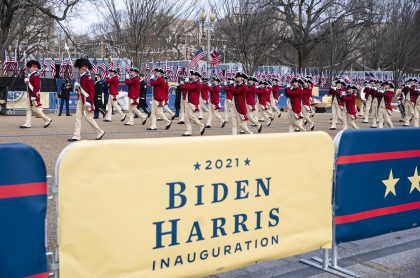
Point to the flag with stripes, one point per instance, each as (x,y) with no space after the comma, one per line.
(104,70)
(43,67)
(94,66)
(63,67)
(199,54)
(119,68)
(169,72)
(5,63)
(14,65)
(53,67)
(216,57)
(70,69)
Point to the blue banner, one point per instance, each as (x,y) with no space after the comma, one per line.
(377,182)
(23,205)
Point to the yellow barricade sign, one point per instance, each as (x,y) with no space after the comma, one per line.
(188,207)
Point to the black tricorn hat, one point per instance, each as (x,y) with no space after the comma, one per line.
(241,74)
(82,62)
(253,78)
(217,79)
(351,86)
(32,63)
(113,70)
(159,70)
(135,69)
(196,73)
(297,79)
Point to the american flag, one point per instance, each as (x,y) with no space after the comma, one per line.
(180,72)
(53,67)
(63,67)
(199,54)
(70,69)
(5,63)
(119,68)
(216,56)
(169,72)
(43,67)
(14,64)
(111,65)
(147,72)
(94,66)
(104,70)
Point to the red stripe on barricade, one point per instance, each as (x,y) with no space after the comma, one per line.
(375,213)
(22,190)
(357,158)
(40,275)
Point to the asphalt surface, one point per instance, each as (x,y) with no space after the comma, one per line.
(392,255)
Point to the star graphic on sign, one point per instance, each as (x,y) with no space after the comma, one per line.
(390,184)
(247,161)
(415,181)
(197,166)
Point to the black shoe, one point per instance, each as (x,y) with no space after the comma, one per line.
(279,115)
(333,128)
(149,128)
(200,118)
(241,132)
(128,124)
(173,117)
(269,123)
(100,137)
(259,129)
(208,126)
(202,132)
(108,121)
(59,115)
(73,139)
(136,116)
(305,122)
(401,121)
(312,128)
(168,126)
(159,120)
(181,122)
(96,118)
(144,122)
(24,126)
(224,123)
(68,114)
(48,124)
(123,119)
(186,134)
(149,114)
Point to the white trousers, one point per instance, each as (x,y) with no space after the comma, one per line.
(113,103)
(89,118)
(417,112)
(238,122)
(374,112)
(36,110)
(348,120)
(384,117)
(307,115)
(182,110)
(228,109)
(214,112)
(157,111)
(294,122)
(252,115)
(191,118)
(167,109)
(263,112)
(409,111)
(367,108)
(133,110)
(336,113)
(202,107)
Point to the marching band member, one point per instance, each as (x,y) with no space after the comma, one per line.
(183,103)
(143,96)
(348,98)
(85,100)
(384,104)
(159,85)
(294,104)
(368,101)
(408,102)
(252,111)
(335,92)
(416,99)
(133,82)
(311,89)
(262,101)
(166,103)
(275,97)
(269,109)
(228,98)
(33,103)
(400,97)
(307,109)
(113,82)
(193,90)
(204,97)
(214,103)
(239,112)
(374,107)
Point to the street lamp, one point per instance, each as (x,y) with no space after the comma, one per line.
(207,26)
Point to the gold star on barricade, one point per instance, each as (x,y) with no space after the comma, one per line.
(390,184)
(415,181)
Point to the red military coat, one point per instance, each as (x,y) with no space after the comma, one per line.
(133,87)
(350,102)
(388,95)
(366,90)
(88,86)
(228,92)
(35,81)
(413,94)
(268,95)
(239,98)
(276,92)
(205,92)
(113,83)
(295,97)
(306,96)
(262,94)
(373,92)
(193,89)
(158,89)
(250,95)
(215,95)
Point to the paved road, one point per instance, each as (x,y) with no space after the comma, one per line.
(392,255)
